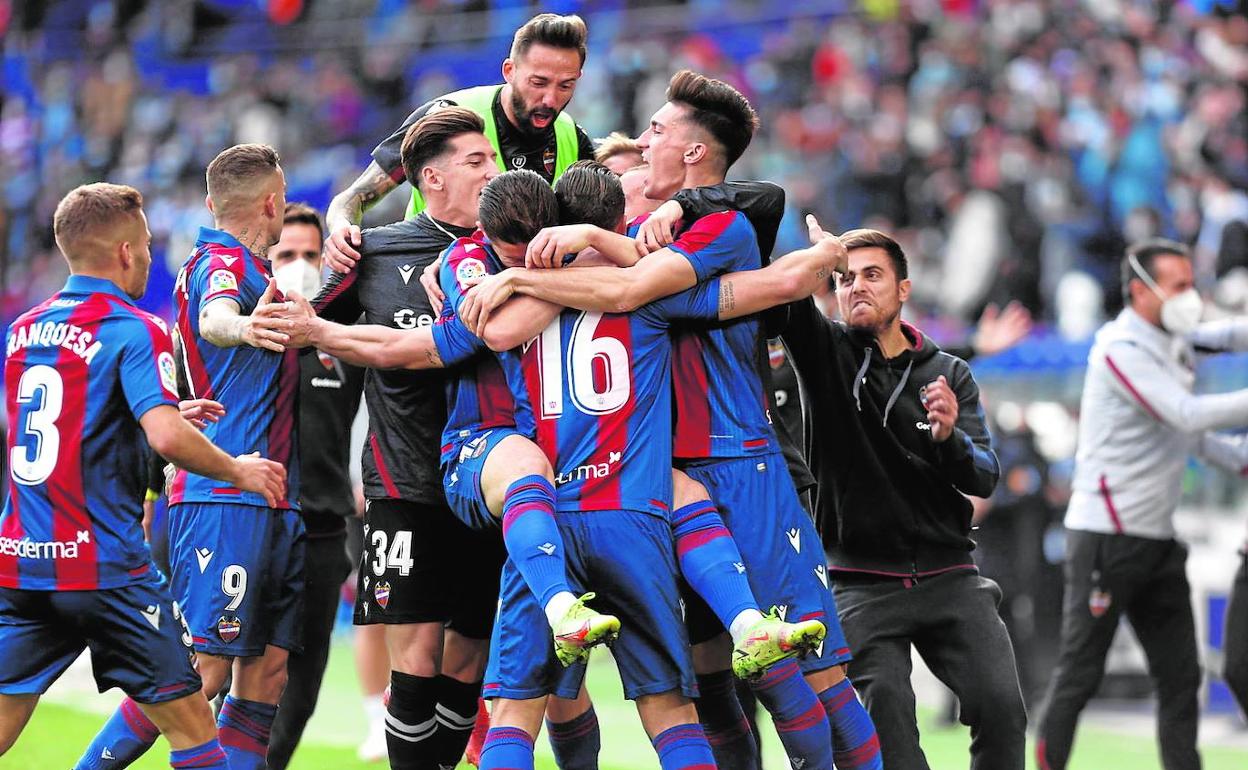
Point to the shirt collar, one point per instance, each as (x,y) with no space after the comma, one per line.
(89,284)
(210,235)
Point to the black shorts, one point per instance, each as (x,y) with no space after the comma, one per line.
(420,564)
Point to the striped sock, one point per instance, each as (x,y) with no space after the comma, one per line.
(411,721)
(206,756)
(243,727)
(532,537)
(727,729)
(576,743)
(801,722)
(125,737)
(456,712)
(683,747)
(710,561)
(507,748)
(857,745)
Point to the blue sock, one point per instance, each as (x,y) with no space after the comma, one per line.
(206,756)
(710,561)
(243,726)
(507,748)
(857,745)
(576,743)
(532,537)
(683,747)
(125,737)
(727,730)
(801,722)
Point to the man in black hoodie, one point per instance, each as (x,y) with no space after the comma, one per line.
(896,439)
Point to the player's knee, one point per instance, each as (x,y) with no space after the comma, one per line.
(685,490)
(532,463)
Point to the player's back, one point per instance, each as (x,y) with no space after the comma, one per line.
(259,388)
(721,402)
(599,386)
(478,396)
(81,369)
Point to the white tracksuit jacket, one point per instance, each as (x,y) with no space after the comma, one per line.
(1139,421)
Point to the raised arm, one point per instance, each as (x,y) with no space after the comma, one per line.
(794,276)
(1229,452)
(1137,376)
(552,244)
(1227,335)
(372,345)
(346,211)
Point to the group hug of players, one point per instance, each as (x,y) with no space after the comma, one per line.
(596,463)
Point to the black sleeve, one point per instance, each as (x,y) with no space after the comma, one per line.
(156,473)
(761,202)
(966,459)
(339,299)
(808,338)
(386,154)
(584,145)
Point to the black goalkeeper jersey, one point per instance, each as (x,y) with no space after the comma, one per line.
(406,409)
(520,149)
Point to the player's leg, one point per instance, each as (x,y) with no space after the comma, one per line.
(517,483)
(1099,585)
(467,637)
(325,567)
(1161,615)
(15,711)
(759,505)
(966,645)
(274,620)
(514,725)
(501,476)
(188,725)
(671,722)
(572,728)
(372,668)
(720,711)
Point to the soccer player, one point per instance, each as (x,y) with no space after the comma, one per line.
(89,377)
(329,397)
(236,559)
(414,578)
(524,119)
(619,153)
(607,435)
(725,440)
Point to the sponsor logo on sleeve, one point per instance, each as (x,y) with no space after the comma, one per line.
(164,363)
(469,271)
(222,280)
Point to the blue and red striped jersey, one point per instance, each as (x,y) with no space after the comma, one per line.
(601,394)
(259,388)
(477,393)
(82,368)
(721,404)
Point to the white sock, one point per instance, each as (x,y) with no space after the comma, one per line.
(742,622)
(558,606)
(375,708)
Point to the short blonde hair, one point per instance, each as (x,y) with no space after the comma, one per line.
(93,211)
(615,143)
(238,167)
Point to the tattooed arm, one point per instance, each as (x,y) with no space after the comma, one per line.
(346,211)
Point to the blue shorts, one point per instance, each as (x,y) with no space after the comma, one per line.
(461,477)
(136,634)
(628,559)
(782,552)
(237,571)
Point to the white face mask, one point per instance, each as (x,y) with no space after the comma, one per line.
(299,276)
(1181,313)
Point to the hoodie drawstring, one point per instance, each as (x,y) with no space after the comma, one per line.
(905,376)
(860,378)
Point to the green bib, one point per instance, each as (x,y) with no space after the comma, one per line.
(481,101)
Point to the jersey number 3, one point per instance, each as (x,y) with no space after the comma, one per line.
(27,467)
(597,367)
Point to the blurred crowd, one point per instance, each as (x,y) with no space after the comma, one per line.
(1012,145)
